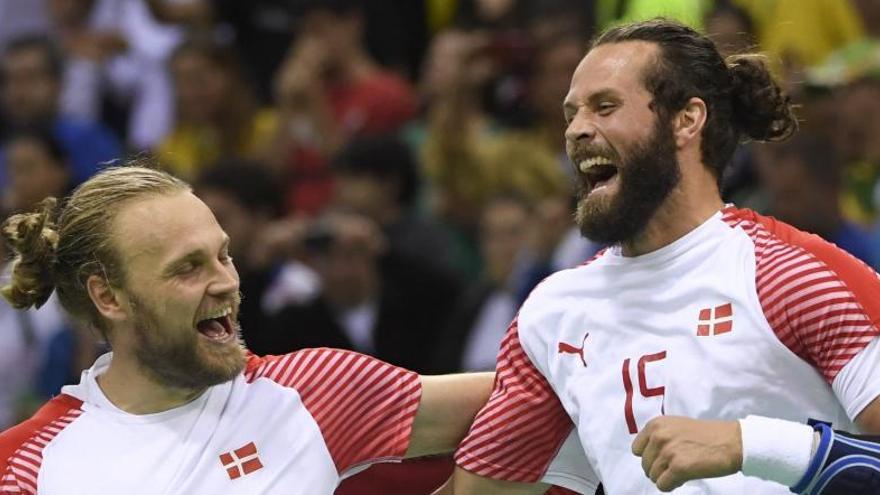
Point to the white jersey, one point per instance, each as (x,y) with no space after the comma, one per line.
(291,424)
(743,315)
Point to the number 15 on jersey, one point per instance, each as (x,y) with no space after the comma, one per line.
(645,390)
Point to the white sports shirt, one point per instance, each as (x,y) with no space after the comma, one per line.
(743,315)
(291,424)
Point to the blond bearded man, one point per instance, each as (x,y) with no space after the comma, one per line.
(180,406)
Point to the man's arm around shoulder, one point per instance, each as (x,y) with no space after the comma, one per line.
(446,411)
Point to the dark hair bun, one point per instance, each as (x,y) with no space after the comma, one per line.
(34,239)
(761,109)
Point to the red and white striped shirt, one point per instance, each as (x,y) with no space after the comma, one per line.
(743,315)
(296,423)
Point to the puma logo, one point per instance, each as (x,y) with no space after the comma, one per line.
(570,349)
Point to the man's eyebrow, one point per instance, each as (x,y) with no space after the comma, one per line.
(594,98)
(602,94)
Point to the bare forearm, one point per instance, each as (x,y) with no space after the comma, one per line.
(446,411)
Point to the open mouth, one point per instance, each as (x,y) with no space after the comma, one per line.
(217,328)
(598,172)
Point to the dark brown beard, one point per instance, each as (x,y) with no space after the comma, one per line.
(647,174)
(179,360)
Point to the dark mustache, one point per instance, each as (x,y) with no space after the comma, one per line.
(582,152)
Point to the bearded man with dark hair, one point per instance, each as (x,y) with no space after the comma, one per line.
(692,354)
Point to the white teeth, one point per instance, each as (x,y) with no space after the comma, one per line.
(218,314)
(585,165)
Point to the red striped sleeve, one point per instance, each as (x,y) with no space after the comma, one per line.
(21,448)
(364,407)
(823,303)
(519,431)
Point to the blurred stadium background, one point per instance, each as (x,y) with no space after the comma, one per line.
(392,172)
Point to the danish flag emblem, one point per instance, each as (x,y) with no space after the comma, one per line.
(570,349)
(715,321)
(242,461)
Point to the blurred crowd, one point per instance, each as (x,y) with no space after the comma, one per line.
(391,173)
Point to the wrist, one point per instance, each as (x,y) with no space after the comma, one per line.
(775,450)
(736,458)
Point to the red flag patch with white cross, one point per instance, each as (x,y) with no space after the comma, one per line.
(241,461)
(715,321)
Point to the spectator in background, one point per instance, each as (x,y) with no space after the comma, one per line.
(217,111)
(31,84)
(37,167)
(329,90)
(469,158)
(557,55)
(610,12)
(116,71)
(802,177)
(367,299)
(395,32)
(856,127)
(21,18)
(378,177)
(39,348)
(732,30)
(851,78)
(246,200)
(552,17)
(520,168)
(37,356)
(260,29)
(456,73)
(472,337)
(799,33)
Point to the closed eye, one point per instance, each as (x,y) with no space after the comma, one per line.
(223,255)
(605,108)
(186,268)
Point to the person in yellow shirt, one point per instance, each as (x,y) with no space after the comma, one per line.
(217,112)
(803,32)
(690,12)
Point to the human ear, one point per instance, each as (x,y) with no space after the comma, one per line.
(690,121)
(108,301)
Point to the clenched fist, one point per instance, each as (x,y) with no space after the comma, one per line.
(675,450)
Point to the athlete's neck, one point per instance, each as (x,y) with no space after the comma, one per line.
(127,387)
(689,205)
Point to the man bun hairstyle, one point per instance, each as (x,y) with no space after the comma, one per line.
(62,254)
(761,110)
(742,99)
(34,238)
